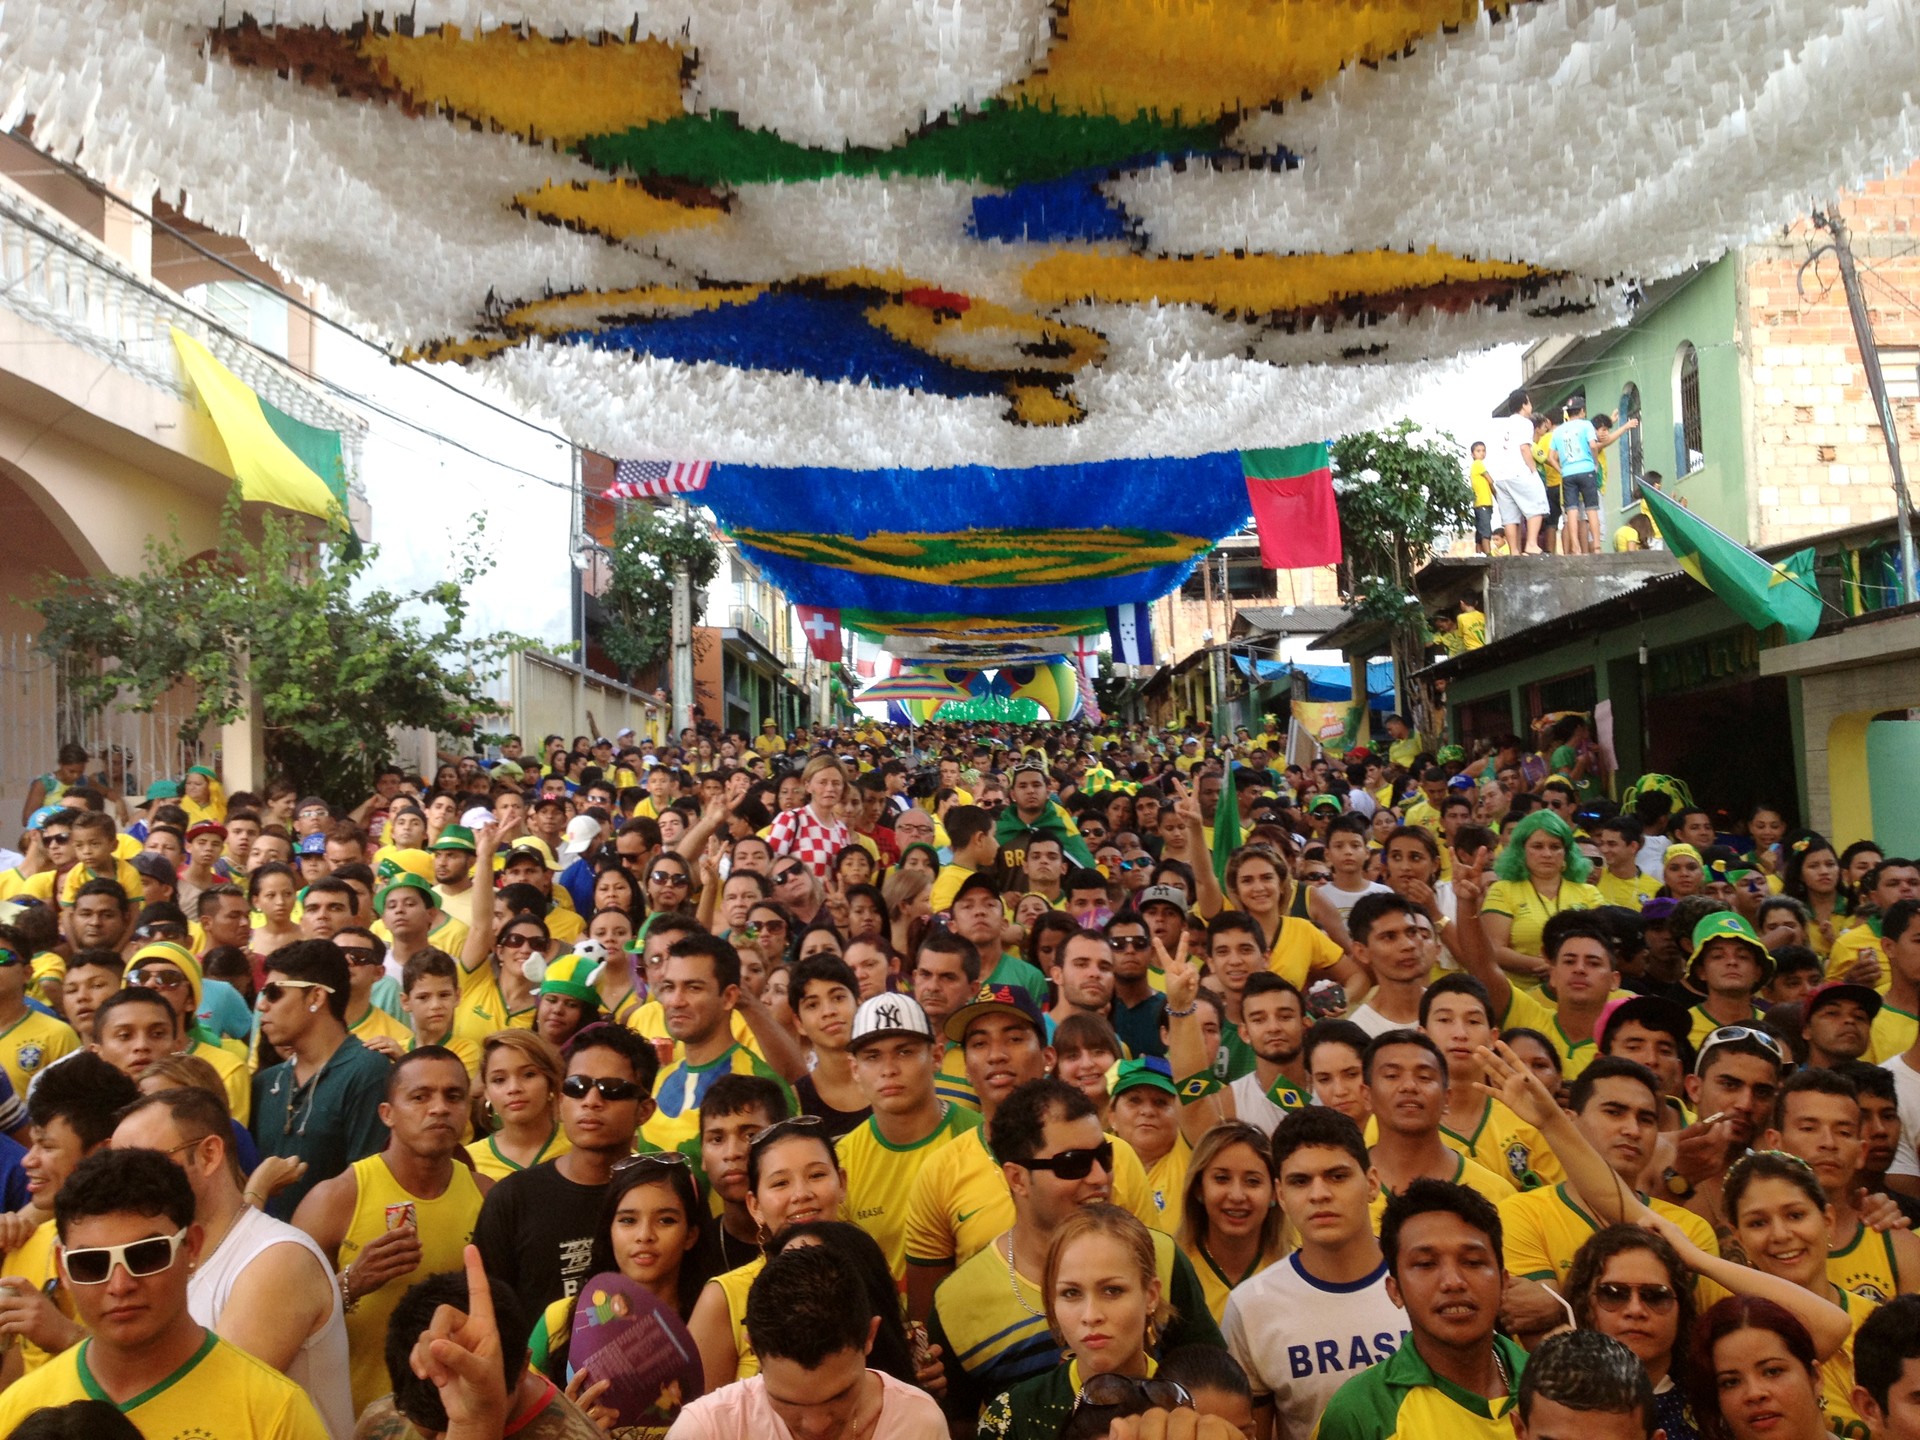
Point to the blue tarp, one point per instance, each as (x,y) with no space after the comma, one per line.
(1326,682)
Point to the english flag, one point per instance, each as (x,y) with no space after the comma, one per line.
(823,631)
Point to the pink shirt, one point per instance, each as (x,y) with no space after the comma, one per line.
(742,1408)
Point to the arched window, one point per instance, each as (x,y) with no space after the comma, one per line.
(1632,452)
(1688,448)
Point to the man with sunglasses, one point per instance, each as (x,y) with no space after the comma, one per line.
(406,1212)
(321,1105)
(1137,1008)
(128,1245)
(988,1316)
(536,1230)
(260,1283)
(366,967)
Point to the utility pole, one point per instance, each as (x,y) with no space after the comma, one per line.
(682,650)
(1835,224)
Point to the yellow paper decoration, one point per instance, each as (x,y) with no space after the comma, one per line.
(615,209)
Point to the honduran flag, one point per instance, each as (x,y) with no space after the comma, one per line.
(1132,629)
(1291,490)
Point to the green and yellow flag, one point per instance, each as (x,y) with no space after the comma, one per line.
(1763,595)
(277,459)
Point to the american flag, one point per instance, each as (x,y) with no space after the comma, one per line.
(653,479)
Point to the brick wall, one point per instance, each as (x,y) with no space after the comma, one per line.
(1820,461)
(1179,622)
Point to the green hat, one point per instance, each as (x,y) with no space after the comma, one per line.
(1447,753)
(1148,1070)
(571,976)
(406,880)
(456,837)
(1728,925)
(162,790)
(1325,802)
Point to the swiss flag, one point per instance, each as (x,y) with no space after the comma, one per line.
(823,631)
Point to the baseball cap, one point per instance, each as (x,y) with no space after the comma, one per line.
(206,827)
(582,831)
(1864,995)
(1325,802)
(535,846)
(154,867)
(992,1000)
(411,861)
(1147,1070)
(39,817)
(883,1016)
(978,880)
(475,817)
(314,845)
(1162,895)
(1728,925)
(456,837)
(161,790)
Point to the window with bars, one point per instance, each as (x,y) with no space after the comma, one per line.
(1689,450)
(1632,451)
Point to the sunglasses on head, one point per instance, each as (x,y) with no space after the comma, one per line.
(1611,1295)
(785,1127)
(664,1158)
(611,1087)
(94,1264)
(1075,1164)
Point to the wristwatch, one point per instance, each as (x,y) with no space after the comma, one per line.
(1677,1184)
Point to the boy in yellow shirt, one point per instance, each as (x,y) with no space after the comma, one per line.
(1481,479)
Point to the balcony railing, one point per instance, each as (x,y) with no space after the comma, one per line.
(59,277)
(745,617)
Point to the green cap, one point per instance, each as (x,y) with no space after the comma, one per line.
(1325,802)
(456,837)
(571,976)
(1728,925)
(164,790)
(406,880)
(1148,1070)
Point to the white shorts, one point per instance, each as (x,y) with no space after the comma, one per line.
(1519,498)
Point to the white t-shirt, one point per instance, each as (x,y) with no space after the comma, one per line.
(1652,858)
(1300,1339)
(1906,1088)
(1250,1103)
(1344,900)
(1376,1024)
(1503,451)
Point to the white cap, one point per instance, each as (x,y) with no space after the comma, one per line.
(886,1015)
(582,831)
(623,734)
(476,817)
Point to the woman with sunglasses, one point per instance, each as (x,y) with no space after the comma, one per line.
(1632,1285)
(793,1174)
(520,1078)
(521,939)
(1231,1226)
(1101,1290)
(653,1231)
(769,930)
(669,882)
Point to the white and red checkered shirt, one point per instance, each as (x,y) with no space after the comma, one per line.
(809,839)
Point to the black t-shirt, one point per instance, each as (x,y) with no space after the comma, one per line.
(536,1233)
(835,1122)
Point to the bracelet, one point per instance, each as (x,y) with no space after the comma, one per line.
(1183,1014)
(347,1298)
(256,1201)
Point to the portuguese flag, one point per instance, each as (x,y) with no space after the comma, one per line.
(277,459)
(1293,509)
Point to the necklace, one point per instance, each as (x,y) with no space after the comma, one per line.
(726,1260)
(1013,1282)
(1500,1364)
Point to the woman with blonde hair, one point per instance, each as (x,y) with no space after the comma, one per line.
(1231,1226)
(1105,1307)
(814,833)
(520,1075)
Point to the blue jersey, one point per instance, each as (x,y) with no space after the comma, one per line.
(1574,445)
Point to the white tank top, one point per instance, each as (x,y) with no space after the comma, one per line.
(321,1366)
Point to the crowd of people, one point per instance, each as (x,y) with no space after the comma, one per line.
(970,1080)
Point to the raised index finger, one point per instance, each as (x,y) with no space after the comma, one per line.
(479,1292)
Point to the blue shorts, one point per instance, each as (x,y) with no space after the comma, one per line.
(1582,491)
(1483,522)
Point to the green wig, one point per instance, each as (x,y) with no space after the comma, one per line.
(1512,864)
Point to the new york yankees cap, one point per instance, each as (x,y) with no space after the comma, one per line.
(885,1016)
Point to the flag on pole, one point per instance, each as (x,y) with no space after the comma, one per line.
(1291,490)
(1761,594)
(276,459)
(1132,629)
(1336,726)
(657,479)
(822,629)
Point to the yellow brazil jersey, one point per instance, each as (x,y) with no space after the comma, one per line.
(648,1019)
(449,936)
(1507,1145)
(1216,1284)
(1167,1183)
(48,965)
(950,1081)
(222,1393)
(1529,910)
(1423,816)
(1301,948)
(483,1011)
(946,885)
(1482,482)
(1543,458)
(734,1284)
(121,871)
(1474,1177)
(1704,1025)
(1526,1011)
(234,1073)
(469,1051)
(1850,945)
(34,1261)
(488,1161)
(1543,1228)
(32,1043)
(1629,894)
(1894,1033)
(378,1022)
(565,924)
(1473,628)
(880,1178)
(960,1200)
(681,1087)
(1403,1399)
(1866,1266)
(445,1224)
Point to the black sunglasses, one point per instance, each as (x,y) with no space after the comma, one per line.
(1075,1164)
(781,877)
(1611,1295)
(670,877)
(1122,1394)
(1129,942)
(611,1087)
(361,955)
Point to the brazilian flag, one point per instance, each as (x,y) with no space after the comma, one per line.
(1761,594)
